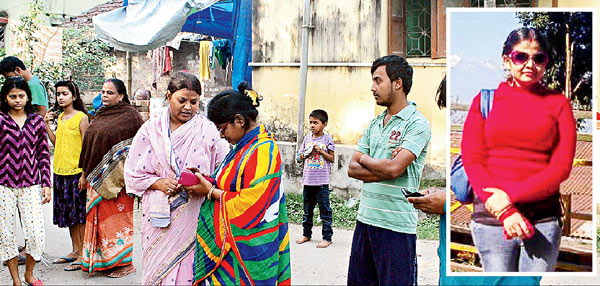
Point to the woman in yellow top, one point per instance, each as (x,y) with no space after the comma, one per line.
(69,202)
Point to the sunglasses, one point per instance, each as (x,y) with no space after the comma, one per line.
(222,127)
(520,58)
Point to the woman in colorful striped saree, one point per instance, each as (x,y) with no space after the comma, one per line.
(243,233)
(161,150)
(108,239)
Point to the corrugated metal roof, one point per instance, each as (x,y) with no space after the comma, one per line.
(85,19)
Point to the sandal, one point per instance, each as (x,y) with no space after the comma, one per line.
(36,283)
(73,266)
(63,259)
(20,260)
(119,273)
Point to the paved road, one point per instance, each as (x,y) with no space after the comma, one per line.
(310,265)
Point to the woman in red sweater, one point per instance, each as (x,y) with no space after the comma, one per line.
(516,159)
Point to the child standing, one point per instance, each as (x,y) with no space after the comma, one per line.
(24,177)
(317,152)
(69,201)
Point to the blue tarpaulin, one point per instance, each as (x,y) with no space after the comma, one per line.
(216,20)
(242,42)
(146,24)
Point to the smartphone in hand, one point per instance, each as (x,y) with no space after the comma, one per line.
(414,195)
(190,179)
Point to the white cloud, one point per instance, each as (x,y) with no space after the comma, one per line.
(453,60)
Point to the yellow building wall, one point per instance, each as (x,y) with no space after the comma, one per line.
(349,32)
(345,94)
(570,3)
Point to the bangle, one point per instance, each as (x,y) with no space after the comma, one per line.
(209,195)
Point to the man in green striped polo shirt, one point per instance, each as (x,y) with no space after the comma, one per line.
(384,243)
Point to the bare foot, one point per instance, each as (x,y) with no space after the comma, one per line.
(323,244)
(302,240)
(122,271)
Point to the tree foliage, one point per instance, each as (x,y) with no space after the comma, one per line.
(555,25)
(26,31)
(84,57)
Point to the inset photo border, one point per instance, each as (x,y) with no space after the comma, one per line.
(522,102)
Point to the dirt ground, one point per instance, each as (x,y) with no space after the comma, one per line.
(310,265)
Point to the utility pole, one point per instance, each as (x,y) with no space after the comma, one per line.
(303,73)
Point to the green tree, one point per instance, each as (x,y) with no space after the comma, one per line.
(26,31)
(569,36)
(85,58)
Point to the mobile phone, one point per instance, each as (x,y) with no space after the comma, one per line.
(413,195)
(188,179)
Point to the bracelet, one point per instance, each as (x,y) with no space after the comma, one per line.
(503,210)
(209,195)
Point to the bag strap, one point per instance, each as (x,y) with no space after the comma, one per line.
(486,102)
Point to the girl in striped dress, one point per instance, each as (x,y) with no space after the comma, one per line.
(69,201)
(24,177)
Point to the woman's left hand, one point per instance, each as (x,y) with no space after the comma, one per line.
(516,225)
(498,202)
(46,195)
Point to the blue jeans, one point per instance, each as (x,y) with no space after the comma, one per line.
(381,256)
(537,254)
(313,195)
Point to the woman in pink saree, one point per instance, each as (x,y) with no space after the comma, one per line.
(163,148)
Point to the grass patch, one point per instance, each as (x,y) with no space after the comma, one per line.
(428,227)
(428,183)
(344,215)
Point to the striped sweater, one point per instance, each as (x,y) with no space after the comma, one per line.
(24,154)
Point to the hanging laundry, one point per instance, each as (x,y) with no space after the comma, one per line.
(223,51)
(155,62)
(168,62)
(211,56)
(160,59)
(204,63)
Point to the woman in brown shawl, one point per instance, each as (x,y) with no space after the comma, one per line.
(108,240)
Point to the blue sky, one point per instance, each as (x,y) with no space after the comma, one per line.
(476,40)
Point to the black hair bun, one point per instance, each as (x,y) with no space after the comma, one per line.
(243,87)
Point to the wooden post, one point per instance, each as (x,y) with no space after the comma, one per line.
(568,60)
(566,199)
(129,76)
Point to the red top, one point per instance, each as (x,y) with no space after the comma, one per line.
(525,146)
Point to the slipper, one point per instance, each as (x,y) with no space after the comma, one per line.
(20,260)
(119,274)
(36,283)
(65,259)
(73,266)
